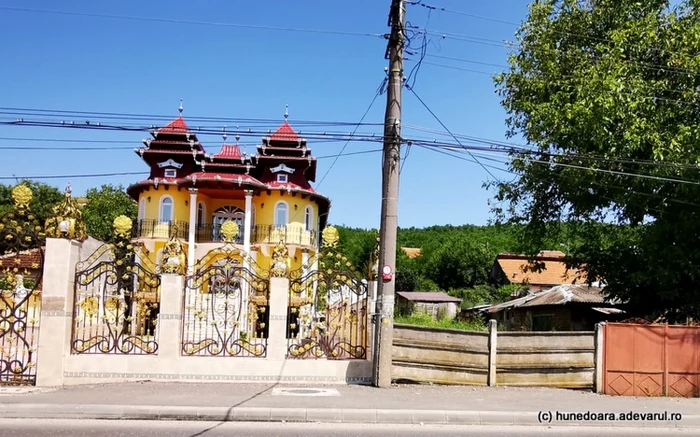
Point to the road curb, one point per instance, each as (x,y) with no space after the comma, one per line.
(327,415)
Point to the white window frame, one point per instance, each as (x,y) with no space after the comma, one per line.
(309,218)
(286,207)
(142,209)
(170,173)
(201,218)
(283,178)
(172,209)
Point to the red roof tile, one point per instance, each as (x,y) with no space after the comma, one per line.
(229,151)
(229,177)
(285,185)
(285,133)
(28,259)
(177,126)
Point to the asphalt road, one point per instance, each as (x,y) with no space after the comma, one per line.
(111,428)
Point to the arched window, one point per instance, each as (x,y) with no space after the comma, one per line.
(281,214)
(309,218)
(200,215)
(166,209)
(142,208)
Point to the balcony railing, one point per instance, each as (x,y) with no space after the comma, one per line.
(160,229)
(290,234)
(211,232)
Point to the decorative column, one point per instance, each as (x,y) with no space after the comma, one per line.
(247,223)
(192,229)
(306,268)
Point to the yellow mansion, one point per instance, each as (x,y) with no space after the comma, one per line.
(191,193)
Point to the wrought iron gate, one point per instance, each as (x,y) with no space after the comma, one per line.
(327,315)
(226,310)
(117,301)
(21,269)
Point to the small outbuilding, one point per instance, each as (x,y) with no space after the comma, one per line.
(437,304)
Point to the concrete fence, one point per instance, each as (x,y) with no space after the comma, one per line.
(447,356)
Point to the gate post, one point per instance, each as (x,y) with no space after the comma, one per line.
(277,335)
(57,297)
(170,316)
(599,353)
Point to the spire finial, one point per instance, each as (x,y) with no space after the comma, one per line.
(69,189)
(286,112)
(180,108)
(224,135)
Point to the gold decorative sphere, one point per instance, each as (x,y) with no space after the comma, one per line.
(229,230)
(22,195)
(330,236)
(122,225)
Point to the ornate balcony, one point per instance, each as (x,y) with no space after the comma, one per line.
(160,229)
(290,234)
(211,232)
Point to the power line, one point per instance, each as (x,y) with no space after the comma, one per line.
(75,176)
(146,117)
(513,23)
(100,175)
(340,136)
(445,127)
(580,167)
(195,22)
(374,99)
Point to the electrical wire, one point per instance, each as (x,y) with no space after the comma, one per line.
(374,99)
(195,22)
(101,175)
(445,127)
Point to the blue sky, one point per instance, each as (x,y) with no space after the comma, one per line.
(66,62)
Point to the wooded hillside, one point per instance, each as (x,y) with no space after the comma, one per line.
(456,259)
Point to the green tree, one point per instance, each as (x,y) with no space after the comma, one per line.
(45,197)
(459,263)
(103,205)
(601,90)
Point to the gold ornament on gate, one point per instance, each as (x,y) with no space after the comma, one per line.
(122,225)
(67,221)
(173,258)
(229,230)
(330,237)
(281,264)
(22,196)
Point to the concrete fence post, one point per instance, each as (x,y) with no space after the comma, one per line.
(170,316)
(57,296)
(599,353)
(493,334)
(277,335)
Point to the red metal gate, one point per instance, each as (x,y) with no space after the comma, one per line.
(651,360)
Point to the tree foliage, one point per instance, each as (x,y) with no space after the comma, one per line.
(601,90)
(45,197)
(455,259)
(103,205)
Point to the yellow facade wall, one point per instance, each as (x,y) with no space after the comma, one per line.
(265,206)
(181,209)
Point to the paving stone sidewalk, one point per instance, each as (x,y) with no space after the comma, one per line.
(334,403)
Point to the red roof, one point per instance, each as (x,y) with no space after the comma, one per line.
(285,185)
(229,151)
(177,126)
(205,175)
(285,133)
(28,259)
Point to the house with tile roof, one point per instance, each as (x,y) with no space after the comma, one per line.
(547,269)
(191,193)
(566,307)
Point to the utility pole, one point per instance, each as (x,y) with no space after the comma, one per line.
(384,320)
